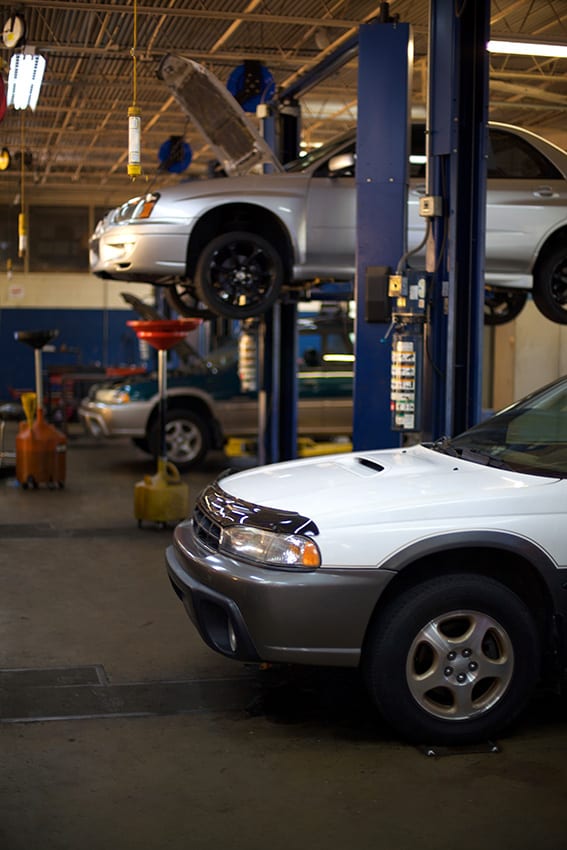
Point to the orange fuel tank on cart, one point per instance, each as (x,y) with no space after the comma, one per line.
(41,454)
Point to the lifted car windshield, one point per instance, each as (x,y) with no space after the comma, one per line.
(530,436)
(318,154)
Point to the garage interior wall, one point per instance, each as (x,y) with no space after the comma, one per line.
(520,355)
(527,353)
(89,314)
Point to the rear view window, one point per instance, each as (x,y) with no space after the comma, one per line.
(510,157)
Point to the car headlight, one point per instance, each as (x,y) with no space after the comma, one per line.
(269,548)
(112,396)
(146,206)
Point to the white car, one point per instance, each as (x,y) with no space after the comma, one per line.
(232,243)
(440,570)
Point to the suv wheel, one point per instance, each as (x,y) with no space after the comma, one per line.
(186,436)
(239,275)
(550,286)
(503,305)
(452,660)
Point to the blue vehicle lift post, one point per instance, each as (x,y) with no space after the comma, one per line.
(451,399)
(384,86)
(457,122)
(278,349)
(383,57)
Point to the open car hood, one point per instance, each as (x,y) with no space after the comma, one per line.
(217,114)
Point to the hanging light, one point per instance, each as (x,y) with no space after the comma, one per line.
(134,113)
(24,80)
(134,141)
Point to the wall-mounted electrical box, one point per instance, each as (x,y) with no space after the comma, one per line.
(409,301)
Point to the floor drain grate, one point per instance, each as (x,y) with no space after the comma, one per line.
(27,677)
(40,531)
(28,696)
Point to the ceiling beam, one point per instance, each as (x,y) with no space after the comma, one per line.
(203,14)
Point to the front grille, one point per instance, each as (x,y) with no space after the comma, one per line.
(207,531)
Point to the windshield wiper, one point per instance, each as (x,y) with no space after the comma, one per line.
(443,444)
(478,456)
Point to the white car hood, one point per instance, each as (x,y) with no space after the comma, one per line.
(387,486)
(217,114)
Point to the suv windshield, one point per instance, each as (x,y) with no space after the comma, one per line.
(319,154)
(530,436)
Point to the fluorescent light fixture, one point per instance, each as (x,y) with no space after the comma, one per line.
(24,80)
(338,358)
(527,48)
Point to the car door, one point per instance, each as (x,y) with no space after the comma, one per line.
(331,215)
(526,199)
(325,376)
(331,208)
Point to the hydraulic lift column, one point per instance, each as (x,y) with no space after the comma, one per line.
(384,84)
(457,124)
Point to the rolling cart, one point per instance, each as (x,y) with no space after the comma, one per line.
(163,497)
(41,449)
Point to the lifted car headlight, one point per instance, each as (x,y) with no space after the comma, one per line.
(265,547)
(145,206)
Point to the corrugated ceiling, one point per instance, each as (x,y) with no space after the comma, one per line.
(77,137)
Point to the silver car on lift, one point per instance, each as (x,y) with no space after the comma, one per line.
(232,244)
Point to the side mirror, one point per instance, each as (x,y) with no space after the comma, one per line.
(342,164)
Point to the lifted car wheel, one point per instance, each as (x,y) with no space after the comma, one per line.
(187,438)
(239,275)
(550,286)
(452,660)
(503,305)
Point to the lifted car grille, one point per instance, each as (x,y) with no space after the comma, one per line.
(207,531)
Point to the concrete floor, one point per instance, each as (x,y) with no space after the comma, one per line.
(119,729)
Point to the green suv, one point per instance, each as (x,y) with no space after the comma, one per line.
(212,399)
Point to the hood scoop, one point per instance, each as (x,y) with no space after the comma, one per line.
(362,464)
(371,464)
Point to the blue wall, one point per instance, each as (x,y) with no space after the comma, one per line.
(95,337)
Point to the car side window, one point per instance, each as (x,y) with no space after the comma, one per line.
(511,157)
(418,159)
(326,347)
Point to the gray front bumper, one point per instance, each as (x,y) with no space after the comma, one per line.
(109,420)
(318,617)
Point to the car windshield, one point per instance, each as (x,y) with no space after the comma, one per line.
(529,436)
(318,154)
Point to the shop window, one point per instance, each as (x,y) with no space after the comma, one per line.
(58,239)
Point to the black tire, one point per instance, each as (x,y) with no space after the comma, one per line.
(503,305)
(550,285)
(239,275)
(181,297)
(452,660)
(187,438)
